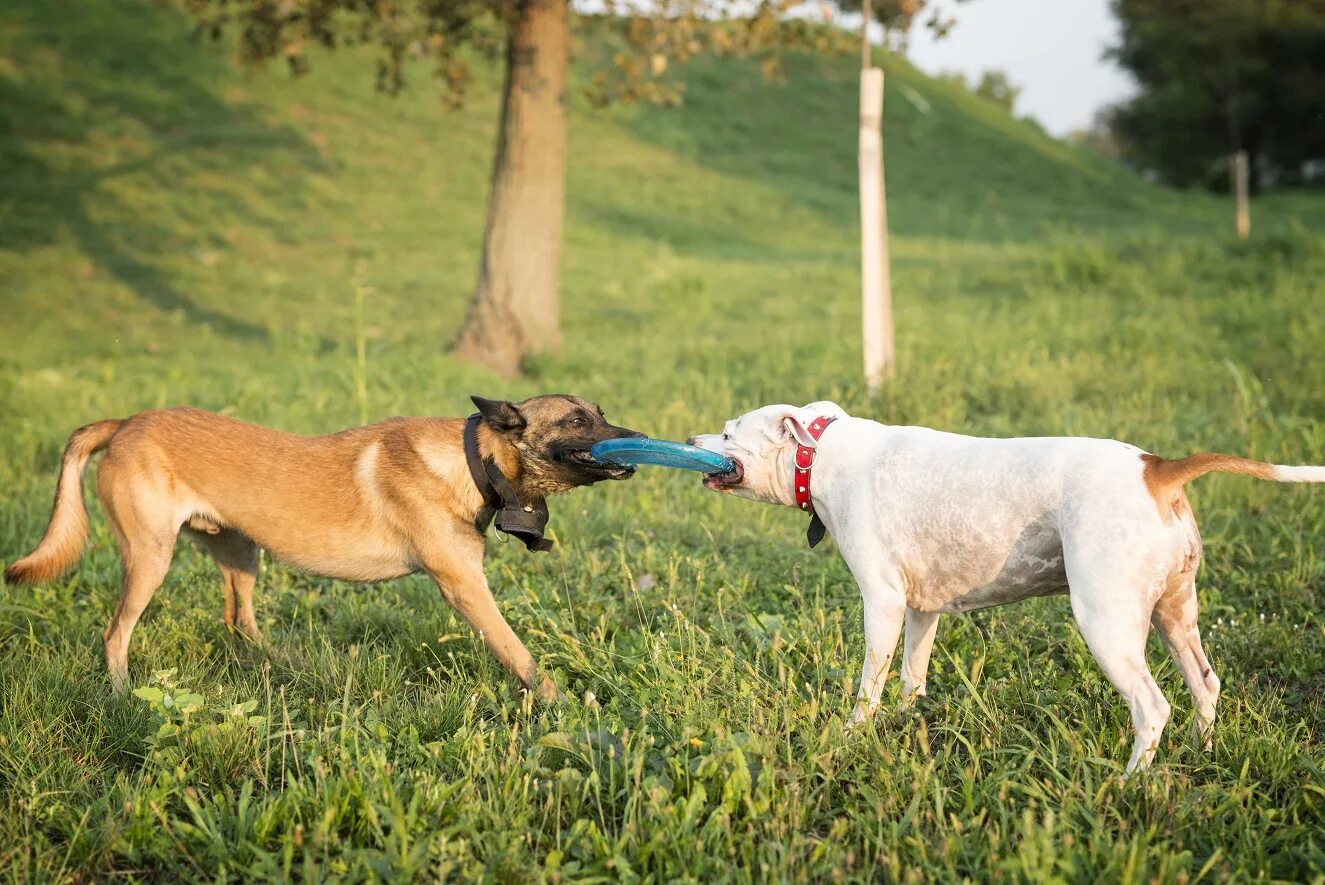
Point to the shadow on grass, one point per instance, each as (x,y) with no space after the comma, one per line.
(96,92)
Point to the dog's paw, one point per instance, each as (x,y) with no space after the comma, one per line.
(860,714)
(911,696)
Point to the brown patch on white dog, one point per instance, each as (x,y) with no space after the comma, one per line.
(1164,478)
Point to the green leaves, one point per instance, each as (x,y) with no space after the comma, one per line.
(641,45)
(150,693)
(185,727)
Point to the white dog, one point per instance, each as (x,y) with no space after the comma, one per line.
(933,522)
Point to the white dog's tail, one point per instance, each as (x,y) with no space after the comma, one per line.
(1304,473)
(1166,477)
(66,534)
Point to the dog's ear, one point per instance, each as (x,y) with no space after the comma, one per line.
(501,415)
(793,428)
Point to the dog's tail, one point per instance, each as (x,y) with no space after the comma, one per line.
(1164,476)
(66,534)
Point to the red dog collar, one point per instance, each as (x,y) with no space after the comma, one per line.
(804,465)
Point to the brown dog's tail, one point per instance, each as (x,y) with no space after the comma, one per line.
(1165,479)
(66,534)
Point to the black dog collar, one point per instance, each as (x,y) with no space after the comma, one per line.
(523,521)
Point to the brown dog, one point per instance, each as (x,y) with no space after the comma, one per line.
(366,504)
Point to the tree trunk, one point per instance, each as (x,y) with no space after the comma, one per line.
(515,308)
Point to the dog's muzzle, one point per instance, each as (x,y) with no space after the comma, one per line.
(721,482)
(582,458)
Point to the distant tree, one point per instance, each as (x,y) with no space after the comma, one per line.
(1218,76)
(1098,138)
(515,308)
(992,86)
(897,17)
(956,78)
(996,87)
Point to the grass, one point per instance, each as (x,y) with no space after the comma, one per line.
(299,253)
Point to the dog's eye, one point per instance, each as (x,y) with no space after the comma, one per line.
(578,421)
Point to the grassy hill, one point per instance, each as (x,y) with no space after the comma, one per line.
(174,230)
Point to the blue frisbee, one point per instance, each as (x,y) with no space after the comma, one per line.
(662,452)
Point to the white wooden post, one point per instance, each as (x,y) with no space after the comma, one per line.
(875,282)
(1240,186)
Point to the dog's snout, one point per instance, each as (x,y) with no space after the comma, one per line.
(692,440)
(616,431)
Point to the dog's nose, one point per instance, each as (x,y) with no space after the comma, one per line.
(637,435)
(690,440)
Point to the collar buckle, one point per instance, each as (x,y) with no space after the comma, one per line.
(808,462)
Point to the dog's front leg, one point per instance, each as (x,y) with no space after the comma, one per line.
(885,607)
(920,630)
(465,588)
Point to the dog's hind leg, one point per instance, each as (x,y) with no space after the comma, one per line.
(147,544)
(1119,648)
(1175,620)
(1115,624)
(237,558)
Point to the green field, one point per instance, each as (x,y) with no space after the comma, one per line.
(174,230)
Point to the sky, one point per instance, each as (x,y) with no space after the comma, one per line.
(1050,48)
